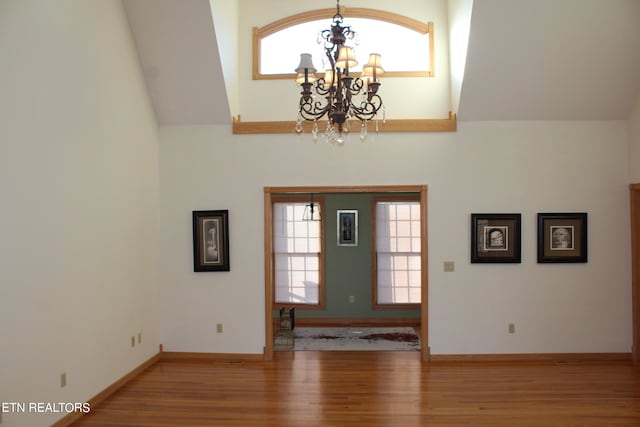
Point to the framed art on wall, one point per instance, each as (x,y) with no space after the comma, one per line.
(495,238)
(211,240)
(347,227)
(562,237)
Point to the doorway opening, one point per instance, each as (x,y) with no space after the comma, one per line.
(271,192)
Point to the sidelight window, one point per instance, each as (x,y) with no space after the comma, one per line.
(397,252)
(298,255)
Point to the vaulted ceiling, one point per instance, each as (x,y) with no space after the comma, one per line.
(526,60)
(552,60)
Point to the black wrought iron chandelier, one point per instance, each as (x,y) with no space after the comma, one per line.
(345,96)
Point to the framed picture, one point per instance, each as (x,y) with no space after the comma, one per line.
(495,238)
(562,237)
(211,240)
(347,228)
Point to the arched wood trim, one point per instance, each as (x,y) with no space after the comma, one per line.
(353,12)
(356,12)
(268,250)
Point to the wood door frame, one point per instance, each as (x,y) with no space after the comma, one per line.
(634,190)
(268,251)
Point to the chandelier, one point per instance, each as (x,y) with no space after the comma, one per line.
(345,96)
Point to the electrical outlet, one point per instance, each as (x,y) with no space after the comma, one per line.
(448,266)
(63,379)
(512,328)
(219,328)
(139,337)
(133,341)
(352,299)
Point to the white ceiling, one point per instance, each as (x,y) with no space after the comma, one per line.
(526,60)
(552,60)
(178,51)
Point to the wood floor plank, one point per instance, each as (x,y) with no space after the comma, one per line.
(373,389)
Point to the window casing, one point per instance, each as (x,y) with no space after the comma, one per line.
(397,253)
(298,255)
(374,28)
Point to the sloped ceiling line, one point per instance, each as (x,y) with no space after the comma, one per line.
(526,60)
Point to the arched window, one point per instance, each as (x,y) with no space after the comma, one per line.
(406,45)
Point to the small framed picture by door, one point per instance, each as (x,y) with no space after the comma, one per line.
(347,227)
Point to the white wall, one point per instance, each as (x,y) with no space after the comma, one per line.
(79,200)
(634,142)
(484,167)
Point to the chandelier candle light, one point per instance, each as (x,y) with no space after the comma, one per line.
(337,86)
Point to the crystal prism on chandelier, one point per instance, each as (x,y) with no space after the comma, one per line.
(345,96)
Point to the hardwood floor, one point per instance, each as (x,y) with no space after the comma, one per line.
(374,389)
